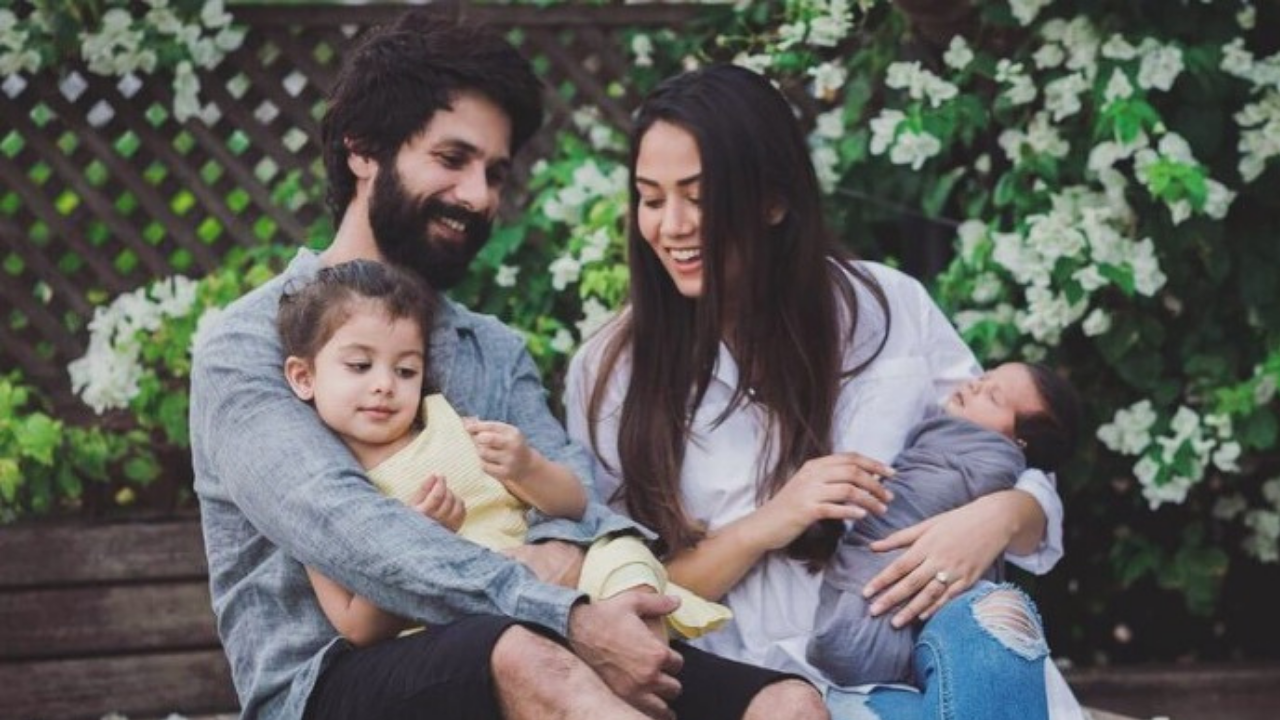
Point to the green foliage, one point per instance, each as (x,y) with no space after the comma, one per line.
(44,463)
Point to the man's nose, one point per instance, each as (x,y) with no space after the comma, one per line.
(472,189)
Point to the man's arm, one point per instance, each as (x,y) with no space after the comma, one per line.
(300,487)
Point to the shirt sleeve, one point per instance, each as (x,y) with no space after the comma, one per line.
(267,454)
(952,362)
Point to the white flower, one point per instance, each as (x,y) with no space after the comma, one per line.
(1247,17)
(826,162)
(642,48)
(1147,276)
(1160,68)
(830,125)
(594,316)
(1049,56)
(1025,11)
(1117,48)
(986,288)
(1021,90)
(1097,323)
(562,342)
(884,128)
(919,83)
(1264,391)
(828,78)
(506,276)
(758,63)
(1173,491)
(914,148)
(971,233)
(958,55)
(1090,279)
(1225,457)
(1118,87)
(564,270)
(1271,491)
(186,90)
(1129,432)
(1237,60)
(1062,96)
(1218,200)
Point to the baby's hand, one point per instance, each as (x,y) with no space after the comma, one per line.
(436,501)
(504,454)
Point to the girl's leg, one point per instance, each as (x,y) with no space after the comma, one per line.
(982,656)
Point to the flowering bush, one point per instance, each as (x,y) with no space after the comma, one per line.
(112,38)
(1103,177)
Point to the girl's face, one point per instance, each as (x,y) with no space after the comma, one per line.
(366,381)
(997,398)
(668,178)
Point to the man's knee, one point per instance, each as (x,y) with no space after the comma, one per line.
(794,699)
(521,654)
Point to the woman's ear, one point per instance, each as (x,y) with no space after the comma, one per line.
(777,213)
(298,373)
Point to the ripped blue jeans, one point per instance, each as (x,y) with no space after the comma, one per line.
(982,656)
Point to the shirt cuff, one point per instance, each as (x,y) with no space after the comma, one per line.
(1050,550)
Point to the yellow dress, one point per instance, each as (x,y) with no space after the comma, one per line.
(496,517)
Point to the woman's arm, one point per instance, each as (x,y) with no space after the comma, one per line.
(356,619)
(548,486)
(962,543)
(843,486)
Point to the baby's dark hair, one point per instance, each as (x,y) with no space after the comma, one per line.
(1049,437)
(312,312)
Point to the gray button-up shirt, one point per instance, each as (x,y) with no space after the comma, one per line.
(278,490)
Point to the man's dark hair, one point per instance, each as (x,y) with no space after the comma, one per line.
(393,83)
(1049,437)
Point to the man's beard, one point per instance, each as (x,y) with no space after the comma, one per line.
(402,230)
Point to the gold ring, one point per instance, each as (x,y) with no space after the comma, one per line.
(942,577)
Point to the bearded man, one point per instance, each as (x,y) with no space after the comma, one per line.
(418,139)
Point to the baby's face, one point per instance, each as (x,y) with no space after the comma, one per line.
(996,398)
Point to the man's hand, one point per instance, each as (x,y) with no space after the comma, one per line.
(436,501)
(555,562)
(613,637)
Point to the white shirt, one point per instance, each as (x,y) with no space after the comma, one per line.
(923,361)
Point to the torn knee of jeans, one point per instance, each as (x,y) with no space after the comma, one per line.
(1008,615)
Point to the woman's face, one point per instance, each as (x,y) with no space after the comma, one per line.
(668,177)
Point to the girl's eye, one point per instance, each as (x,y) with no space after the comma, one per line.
(407,373)
(359,366)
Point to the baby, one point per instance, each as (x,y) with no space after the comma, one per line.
(988,432)
(355,346)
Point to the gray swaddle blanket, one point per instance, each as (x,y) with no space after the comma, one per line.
(947,462)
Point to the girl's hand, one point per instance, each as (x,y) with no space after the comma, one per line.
(504,454)
(436,501)
(842,486)
(961,544)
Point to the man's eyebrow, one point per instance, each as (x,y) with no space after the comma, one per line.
(683,182)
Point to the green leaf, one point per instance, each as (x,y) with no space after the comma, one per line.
(38,436)
(10,479)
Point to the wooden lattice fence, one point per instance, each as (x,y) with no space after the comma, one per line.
(102,190)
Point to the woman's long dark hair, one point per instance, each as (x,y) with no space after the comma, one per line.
(782,284)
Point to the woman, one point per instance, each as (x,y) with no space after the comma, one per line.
(740,406)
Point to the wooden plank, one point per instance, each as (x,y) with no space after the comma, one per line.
(97,620)
(91,552)
(140,686)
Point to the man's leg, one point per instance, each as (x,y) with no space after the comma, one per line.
(477,668)
(719,689)
(539,679)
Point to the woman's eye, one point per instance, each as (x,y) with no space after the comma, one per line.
(652,204)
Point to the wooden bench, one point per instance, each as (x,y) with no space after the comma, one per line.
(98,618)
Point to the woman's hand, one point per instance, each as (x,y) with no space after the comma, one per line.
(436,501)
(961,544)
(842,486)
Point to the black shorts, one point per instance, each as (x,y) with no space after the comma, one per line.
(445,674)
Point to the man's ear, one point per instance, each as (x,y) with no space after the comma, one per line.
(298,372)
(362,166)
